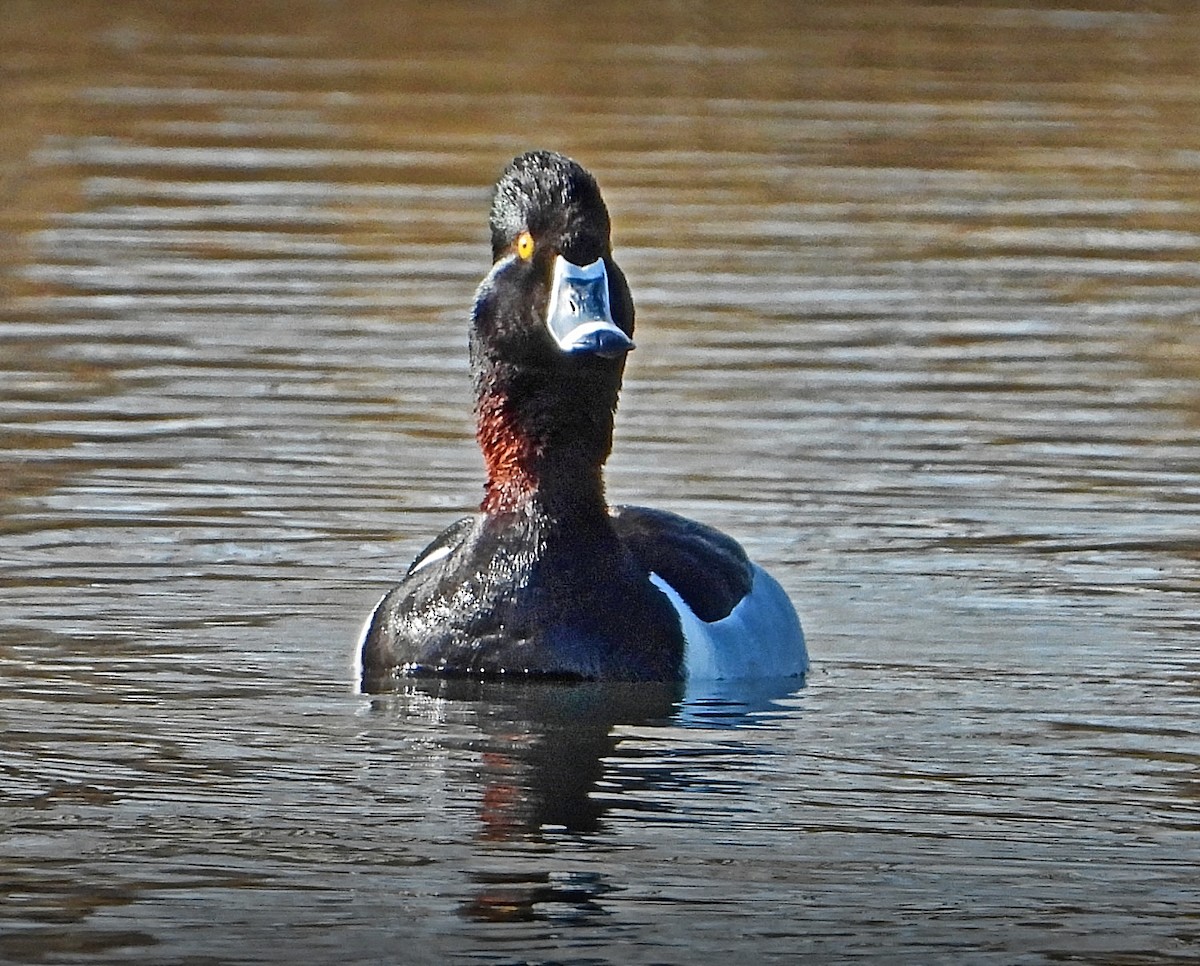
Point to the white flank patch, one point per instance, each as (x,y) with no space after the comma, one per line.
(761,637)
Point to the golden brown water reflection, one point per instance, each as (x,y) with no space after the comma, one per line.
(917,290)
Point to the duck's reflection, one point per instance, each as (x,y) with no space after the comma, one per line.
(542,749)
(542,746)
(549,759)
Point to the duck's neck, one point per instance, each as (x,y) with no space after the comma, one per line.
(544,447)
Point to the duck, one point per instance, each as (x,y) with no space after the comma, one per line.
(547,580)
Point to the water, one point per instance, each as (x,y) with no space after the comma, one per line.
(917,293)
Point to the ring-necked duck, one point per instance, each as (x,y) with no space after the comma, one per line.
(546,579)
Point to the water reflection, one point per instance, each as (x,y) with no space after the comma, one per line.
(541,749)
(569,899)
(549,756)
(533,769)
(732,704)
(540,761)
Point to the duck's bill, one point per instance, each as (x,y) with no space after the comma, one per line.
(579,316)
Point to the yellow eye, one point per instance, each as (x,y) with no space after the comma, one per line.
(525,245)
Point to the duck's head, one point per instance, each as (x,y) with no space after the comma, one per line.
(552,323)
(554,290)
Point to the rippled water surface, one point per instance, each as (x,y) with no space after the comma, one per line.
(918,296)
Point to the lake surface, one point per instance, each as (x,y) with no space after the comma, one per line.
(918,289)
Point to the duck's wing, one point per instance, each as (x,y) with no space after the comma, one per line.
(737,621)
(704,566)
(444,544)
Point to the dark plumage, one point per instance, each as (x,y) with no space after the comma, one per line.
(545,580)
